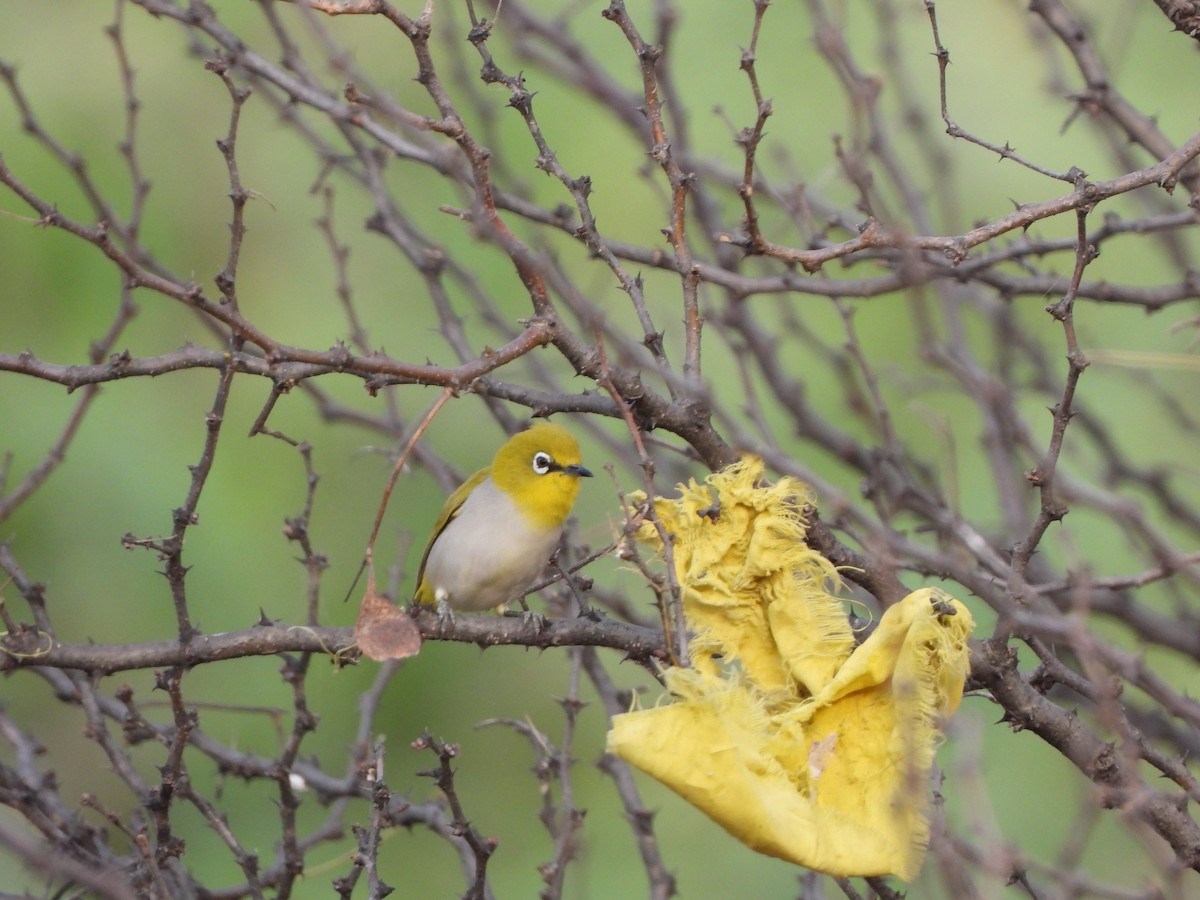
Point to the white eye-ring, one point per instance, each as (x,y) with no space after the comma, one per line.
(543,462)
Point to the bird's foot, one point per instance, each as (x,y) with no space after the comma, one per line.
(528,616)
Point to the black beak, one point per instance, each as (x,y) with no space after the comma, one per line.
(577,471)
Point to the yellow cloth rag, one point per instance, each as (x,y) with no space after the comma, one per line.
(800,744)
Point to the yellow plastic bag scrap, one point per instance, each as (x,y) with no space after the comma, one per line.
(800,745)
(741,571)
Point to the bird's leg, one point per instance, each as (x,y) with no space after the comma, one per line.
(528,616)
(444,613)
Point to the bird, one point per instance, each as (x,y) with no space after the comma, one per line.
(496,532)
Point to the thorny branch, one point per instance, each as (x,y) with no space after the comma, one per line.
(852,308)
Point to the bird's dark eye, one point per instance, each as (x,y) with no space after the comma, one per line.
(543,462)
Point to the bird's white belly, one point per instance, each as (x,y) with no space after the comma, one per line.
(488,554)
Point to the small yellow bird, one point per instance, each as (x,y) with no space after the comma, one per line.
(498,530)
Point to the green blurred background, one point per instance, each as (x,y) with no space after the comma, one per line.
(128,467)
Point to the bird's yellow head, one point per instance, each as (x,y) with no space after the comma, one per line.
(540,470)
